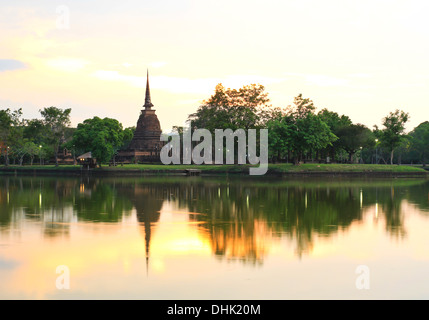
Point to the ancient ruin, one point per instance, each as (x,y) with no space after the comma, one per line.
(145,145)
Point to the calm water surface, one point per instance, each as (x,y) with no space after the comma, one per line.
(214,238)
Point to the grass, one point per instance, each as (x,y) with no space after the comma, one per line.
(366,168)
(274,168)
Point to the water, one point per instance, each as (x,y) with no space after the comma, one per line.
(213,238)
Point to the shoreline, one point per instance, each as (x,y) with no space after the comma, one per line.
(273,171)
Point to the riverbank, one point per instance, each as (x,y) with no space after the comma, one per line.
(273,169)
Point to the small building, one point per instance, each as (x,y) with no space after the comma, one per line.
(87,161)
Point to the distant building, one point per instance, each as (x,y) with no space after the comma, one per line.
(65,156)
(145,145)
(3,148)
(86,160)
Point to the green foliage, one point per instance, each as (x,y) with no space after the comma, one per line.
(231,108)
(354,137)
(335,122)
(419,140)
(128,136)
(36,131)
(299,131)
(5,124)
(279,137)
(103,137)
(302,107)
(55,121)
(312,134)
(394,126)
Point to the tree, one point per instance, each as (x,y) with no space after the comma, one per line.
(11,129)
(334,122)
(35,131)
(128,136)
(280,133)
(394,127)
(302,107)
(420,141)
(354,137)
(5,124)
(31,149)
(103,137)
(55,121)
(231,108)
(309,132)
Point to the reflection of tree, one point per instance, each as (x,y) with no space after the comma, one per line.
(237,213)
(36,200)
(419,196)
(240,217)
(98,201)
(394,216)
(234,213)
(390,198)
(56,202)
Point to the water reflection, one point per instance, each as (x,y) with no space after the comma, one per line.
(241,219)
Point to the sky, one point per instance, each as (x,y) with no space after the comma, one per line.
(361,58)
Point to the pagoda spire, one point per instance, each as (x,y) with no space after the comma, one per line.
(147,103)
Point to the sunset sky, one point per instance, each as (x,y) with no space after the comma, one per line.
(359,58)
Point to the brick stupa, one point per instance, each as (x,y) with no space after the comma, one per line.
(145,145)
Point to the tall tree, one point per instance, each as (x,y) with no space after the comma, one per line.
(5,124)
(394,127)
(302,107)
(55,121)
(354,137)
(231,108)
(11,129)
(334,122)
(308,131)
(103,137)
(280,133)
(35,131)
(420,141)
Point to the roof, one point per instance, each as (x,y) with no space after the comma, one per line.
(87,155)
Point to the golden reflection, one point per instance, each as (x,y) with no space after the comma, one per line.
(376,210)
(361,198)
(142,229)
(242,241)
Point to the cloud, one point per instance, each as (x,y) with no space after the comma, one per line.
(184,85)
(325,81)
(67,64)
(157,64)
(321,80)
(11,64)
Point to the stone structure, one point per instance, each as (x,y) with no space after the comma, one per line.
(145,145)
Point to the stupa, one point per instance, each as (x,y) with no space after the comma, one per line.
(145,145)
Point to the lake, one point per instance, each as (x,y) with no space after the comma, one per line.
(174,237)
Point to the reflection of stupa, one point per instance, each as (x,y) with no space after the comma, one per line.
(148,203)
(146,144)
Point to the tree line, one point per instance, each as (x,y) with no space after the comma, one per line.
(296,133)
(26,139)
